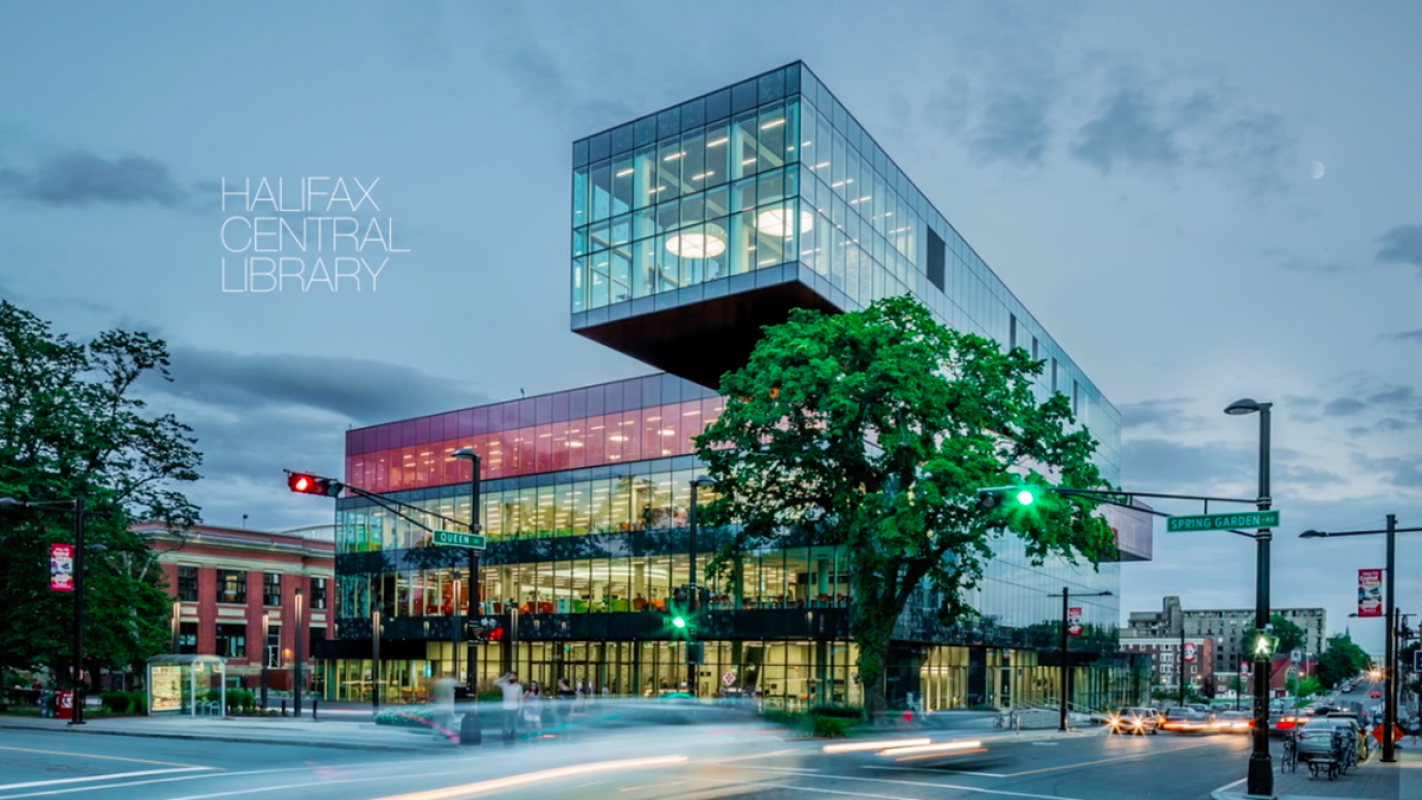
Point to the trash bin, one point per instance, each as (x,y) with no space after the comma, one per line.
(64,706)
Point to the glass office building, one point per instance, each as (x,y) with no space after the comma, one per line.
(691,228)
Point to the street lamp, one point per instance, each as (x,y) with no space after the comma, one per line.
(470,732)
(1066,670)
(1260,781)
(1389,754)
(76,507)
(697,485)
(300,629)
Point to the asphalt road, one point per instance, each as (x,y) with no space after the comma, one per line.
(635,765)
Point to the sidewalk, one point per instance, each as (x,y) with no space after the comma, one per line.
(1372,780)
(257,730)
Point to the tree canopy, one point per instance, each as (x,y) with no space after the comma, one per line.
(70,426)
(1342,660)
(1290,636)
(875,430)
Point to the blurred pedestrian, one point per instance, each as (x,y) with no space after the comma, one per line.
(565,699)
(513,699)
(444,707)
(533,708)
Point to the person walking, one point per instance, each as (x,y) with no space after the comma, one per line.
(566,698)
(533,708)
(512,700)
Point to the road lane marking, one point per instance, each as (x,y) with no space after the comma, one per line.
(795,770)
(223,774)
(1113,760)
(955,787)
(102,758)
(938,771)
(111,776)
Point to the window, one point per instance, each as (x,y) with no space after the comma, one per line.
(232,640)
(1054,376)
(1011,332)
(188,584)
(187,637)
(936,259)
(318,635)
(318,593)
(273,651)
(231,587)
(271,589)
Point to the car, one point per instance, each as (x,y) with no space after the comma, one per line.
(1186,719)
(1375,694)
(1235,722)
(1281,724)
(1135,720)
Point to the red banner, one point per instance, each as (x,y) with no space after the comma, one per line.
(61,567)
(1370,601)
(1073,622)
(1189,652)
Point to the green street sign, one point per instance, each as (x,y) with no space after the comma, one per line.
(476,541)
(1222,522)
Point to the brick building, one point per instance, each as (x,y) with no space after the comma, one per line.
(1227,628)
(1167,658)
(224,580)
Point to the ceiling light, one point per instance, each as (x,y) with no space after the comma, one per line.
(624,173)
(667,432)
(673,156)
(861,199)
(748,162)
(775,221)
(702,176)
(820,165)
(718,142)
(699,245)
(773,124)
(617,437)
(806,144)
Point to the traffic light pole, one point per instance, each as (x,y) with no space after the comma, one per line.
(1260,778)
(1182,660)
(695,599)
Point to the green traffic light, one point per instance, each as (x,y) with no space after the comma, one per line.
(1025,497)
(679,622)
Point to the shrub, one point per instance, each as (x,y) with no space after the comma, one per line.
(830,727)
(781,717)
(116,702)
(854,713)
(138,702)
(407,717)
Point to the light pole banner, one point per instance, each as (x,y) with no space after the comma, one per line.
(1370,593)
(1073,622)
(61,567)
(1189,652)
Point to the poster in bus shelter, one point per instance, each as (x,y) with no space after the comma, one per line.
(165,691)
(1370,593)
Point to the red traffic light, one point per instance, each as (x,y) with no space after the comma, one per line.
(496,635)
(312,484)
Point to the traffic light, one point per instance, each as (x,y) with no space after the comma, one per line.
(302,483)
(1025,497)
(679,622)
(1263,645)
(1021,497)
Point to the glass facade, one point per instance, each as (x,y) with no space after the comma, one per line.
(774,175)
(586,493)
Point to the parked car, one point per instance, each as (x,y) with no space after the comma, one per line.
(1135,720)
(1281,724)
(1186,719)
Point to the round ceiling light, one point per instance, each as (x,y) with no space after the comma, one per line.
(709,244)
(775,221)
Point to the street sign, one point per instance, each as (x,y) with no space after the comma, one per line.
(1397,733)
(476,541)
(1222,522)
(729,678)
(1296,656)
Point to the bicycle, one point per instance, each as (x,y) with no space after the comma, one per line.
(1290,762)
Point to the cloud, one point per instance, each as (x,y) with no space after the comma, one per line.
(1397,395)
(1013,128)
(1165,415)
(358,390)
(1126,131)
(1409,336)
(1344,407)
(1401,471)
(1160,464)
(1255,149)
(78,178)
(1402,245)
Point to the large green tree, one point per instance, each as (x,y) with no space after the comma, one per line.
(874,430)
(1341,660)
(1290,636)
(71,426)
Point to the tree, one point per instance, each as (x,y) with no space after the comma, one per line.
(1341,660)
(1290,636)
(71,427)
(874,430)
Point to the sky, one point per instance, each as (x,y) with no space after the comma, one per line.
(1200,203)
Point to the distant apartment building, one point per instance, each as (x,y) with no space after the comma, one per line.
(224,581)
(1169,655)
(1227,629)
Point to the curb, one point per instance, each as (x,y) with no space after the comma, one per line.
(233,739)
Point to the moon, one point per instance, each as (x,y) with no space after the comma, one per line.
(1319,170)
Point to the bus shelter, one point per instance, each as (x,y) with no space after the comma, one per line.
(187,684)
